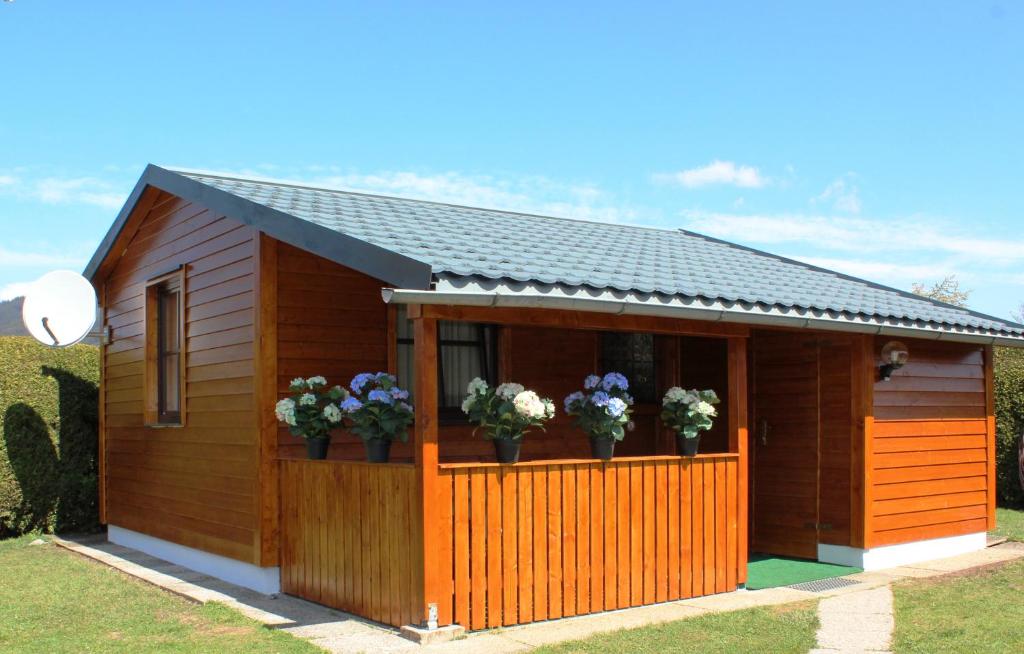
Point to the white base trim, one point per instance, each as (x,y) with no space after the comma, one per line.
(891,556)
(253,577)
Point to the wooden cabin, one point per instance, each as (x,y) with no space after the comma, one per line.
(218,290)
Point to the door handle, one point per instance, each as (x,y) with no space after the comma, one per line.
(765,428)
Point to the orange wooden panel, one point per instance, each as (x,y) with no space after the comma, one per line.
(685,529)
(445,557)
(929,472)
(478,557)
(569,525)
(540,543)
(649,556)
(697,511)
(623,565)
(611,520)
(661,573)
(636,533)
(732,510)
(721,528)
(672,529)
(990,429)
(596,539)
(898,428)
(509,547)
(494,549)
(583,522)
(554,544)
(524,546)
(461,547)
(943,530)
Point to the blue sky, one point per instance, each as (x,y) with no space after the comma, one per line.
(879,139)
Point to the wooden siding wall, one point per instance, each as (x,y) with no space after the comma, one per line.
(835,388)
(194,485)
(536,542)
(332,321)
(931,447)
(347,537)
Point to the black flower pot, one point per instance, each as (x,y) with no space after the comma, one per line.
(377,450)
(687,446)
(316,448)
(602,448)
(507,450)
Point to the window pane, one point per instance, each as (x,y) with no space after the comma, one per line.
(168,355)
(460,364)
(633,356)
(170,381)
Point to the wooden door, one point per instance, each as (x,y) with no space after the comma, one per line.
(784,489)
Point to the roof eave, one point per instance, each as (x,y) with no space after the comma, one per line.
(375,261)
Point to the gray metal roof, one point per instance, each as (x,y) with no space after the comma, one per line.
(459,247)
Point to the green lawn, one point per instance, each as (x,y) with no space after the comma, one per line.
(1010,523)
(778,629)
(54,601)
(975,612)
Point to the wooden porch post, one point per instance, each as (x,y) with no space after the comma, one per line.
(738,443)
(425,449)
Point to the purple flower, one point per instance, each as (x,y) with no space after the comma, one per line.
(615,407)
(377,395)
(399,394)
(571,399)
(600,398)
(351,405)
(614,380)
(405,406)
(360,380)
(591,382)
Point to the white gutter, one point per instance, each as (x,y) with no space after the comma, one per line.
(675,308)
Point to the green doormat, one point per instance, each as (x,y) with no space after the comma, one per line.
(767,571)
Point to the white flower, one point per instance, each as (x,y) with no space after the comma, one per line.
(692,398)
(307,399)
(549,409)
(285,411)
(674,394)
(706,409)
(528,405)
(476,386)
(297,383)
(467,403)
(332,413)
(316,381)
(508,391)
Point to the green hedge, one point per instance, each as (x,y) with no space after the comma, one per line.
(1009,391)
(48,422)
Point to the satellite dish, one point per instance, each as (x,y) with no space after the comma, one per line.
(60,308)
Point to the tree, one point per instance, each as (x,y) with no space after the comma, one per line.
(1018,315)
(948,291)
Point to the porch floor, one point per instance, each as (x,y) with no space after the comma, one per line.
(770,571)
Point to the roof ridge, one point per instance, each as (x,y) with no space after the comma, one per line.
(327,189)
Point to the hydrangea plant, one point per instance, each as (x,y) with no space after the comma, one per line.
(377,407)
(312,410)
(602,408)
(507,411)
(688,412)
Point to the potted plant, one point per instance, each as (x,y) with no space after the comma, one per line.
(311,413)
(378,412)
(505,414)
(688,413)
(602,410)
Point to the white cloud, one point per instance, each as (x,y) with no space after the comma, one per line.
(86,190)
(22,259)
(716,172)
(14,289)
(842,194)
(859,235)
(905,273)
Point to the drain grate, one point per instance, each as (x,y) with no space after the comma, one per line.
(822,585)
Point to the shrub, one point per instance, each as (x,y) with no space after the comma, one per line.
(48,451)
(1009,392)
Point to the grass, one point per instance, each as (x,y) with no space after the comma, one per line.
(979,611)
(55,601)
(1010,523)
(777,629)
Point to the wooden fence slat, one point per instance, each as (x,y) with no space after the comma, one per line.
(708,493)
(623,564)
(732,554)
(445,560)
(509,547)
(554,542)
(721,520)
(461,546)
(661,530)
(568,542)
(494,577)
(672,525)
(697,542)
(478,556)
(596,539)
(582,540)
(524,547)
(540,543)
(636,534)
(611,520)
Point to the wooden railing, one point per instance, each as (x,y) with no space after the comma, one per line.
(347,537)
(552,539)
